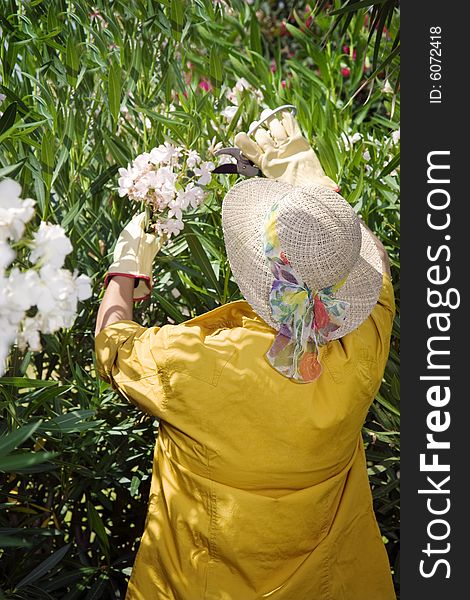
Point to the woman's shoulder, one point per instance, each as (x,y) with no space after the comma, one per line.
(227,316)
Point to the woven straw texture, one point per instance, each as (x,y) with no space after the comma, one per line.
(321,236)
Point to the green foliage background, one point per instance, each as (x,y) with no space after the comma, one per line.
(79,81)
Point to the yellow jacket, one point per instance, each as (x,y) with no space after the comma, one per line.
(259,485)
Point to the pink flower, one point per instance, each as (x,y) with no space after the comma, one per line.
(273,66)
(346,50)
(283,84)
(205,85)
(283,29)
(345,71)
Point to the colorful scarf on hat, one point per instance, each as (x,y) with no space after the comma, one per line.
(307,318)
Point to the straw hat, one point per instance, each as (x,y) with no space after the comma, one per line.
(321,236)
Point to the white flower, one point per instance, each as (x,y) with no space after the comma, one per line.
(141,162)
(366,155)
(226,159)
(175,209)
(164,153)
(242,84)
(52,290)
(21,291)
(29,335)
(204,172)
(231,96)
(6,339)
(125,181)
(387,88)
(198,196)
(229,112)
(50,245)
(214,146)
(57,303)
(148,123)
(6,256)
(14,212)
(356,137)
(193,159)
(171,226)
(82,286)
(395,136)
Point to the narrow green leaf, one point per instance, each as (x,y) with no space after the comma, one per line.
(168,307)
(215,65)
(255,36)
(389,167)
(72,60)
(117,152)
(177,17)
(47,159)
(102,179)
(50,562)
(73,213)
(201,259)
(23,460)
(355,6)
(97,526)
(114,90)
(13,439)
(12,170)
(24,382)
(8,118)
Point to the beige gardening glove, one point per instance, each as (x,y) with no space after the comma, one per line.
(133,256)
(282,152)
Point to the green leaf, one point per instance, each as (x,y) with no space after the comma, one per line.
(8,118)
(355,6)
(24,382)
(255,36)
(47,159)
(389,167)
(15,438)
(114,90)
(215,64)
(97,526)
(12,170)
(73,213)
(103,178)
(72,422)
(23,461)
(118,153)
(168,307)
(72,60)
(201,259)
(177,17)
(48,564)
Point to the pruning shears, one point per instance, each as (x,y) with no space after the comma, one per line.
(243,165)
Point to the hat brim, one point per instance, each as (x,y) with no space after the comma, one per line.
(243,211)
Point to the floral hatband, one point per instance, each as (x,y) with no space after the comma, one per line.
(306,317)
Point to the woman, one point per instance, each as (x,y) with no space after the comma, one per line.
(259,485)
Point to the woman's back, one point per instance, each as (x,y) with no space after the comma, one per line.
(259,484)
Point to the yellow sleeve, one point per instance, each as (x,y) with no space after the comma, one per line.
(132,358)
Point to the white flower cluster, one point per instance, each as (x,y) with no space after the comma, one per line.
(159,178)
(46,286)
(233,96)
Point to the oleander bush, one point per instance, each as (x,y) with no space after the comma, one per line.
(86,87)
